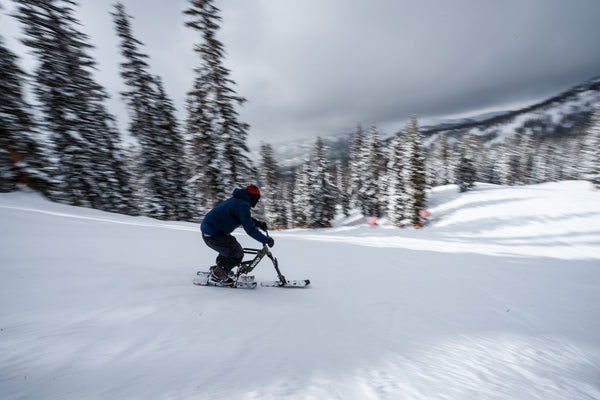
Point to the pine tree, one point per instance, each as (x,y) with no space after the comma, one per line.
(155,127)
(133,164)
(357,167)
(466,173)
(413,172)
(217,137)
(489,171)
(446,175)
(539,162)
(574,148)
(23,158)
(591,155)
(372,194)
(302,207)
(271,192)
(341,187)
(322,198)
(552,166)
(440,163)
(514,161)
(503,164)
(176,173)
(202,153)
(288,202)
(465,178)
(395,182)
(527,153)
(89,170)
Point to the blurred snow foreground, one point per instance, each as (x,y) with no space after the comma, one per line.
(496,298)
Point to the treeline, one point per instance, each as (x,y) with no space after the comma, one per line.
(377,181)
(522,159)
(66,144)
(391,178)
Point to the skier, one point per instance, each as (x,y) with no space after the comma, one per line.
(218,224)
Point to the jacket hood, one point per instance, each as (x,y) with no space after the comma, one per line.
(241,194)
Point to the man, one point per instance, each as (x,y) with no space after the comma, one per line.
(218,224)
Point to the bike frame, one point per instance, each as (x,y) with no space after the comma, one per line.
(248,265)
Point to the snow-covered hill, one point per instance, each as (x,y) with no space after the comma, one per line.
(497,298)
(290,154)
(567,113)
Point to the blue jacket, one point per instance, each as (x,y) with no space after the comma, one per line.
(230,214)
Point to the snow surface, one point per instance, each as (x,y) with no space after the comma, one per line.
(497,298)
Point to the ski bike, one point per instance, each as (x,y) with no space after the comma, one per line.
(241,279)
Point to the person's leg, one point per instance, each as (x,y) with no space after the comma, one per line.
(230,251)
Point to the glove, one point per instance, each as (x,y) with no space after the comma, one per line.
(270,241)
(261,225)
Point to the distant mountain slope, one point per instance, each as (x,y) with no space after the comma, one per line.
(293,153)
(565,114)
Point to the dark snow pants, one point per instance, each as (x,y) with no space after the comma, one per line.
(230,251)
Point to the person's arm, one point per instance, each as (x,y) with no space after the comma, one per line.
(260,224)
(250,227)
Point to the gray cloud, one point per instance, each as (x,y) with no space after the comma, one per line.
(321,67)
(311,67)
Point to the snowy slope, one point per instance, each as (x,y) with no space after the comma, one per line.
(567,113)
(498,298)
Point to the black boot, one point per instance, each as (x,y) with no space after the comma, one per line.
(221,276)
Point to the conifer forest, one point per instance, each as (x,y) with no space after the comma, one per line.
(66,145)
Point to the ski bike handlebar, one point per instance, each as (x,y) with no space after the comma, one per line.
(247,266)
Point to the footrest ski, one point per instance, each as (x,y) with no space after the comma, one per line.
(288,284)
(202,278)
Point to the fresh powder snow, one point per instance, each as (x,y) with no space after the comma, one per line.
(498,297)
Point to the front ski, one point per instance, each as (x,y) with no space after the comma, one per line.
(288,284)
(202,278)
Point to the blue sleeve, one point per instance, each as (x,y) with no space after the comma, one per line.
(249,226)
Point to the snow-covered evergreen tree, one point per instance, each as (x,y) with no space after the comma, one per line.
(23,152)
(175,170)
(490,170)
(575,147)
(89,171)
(551,157)
(527,152)
(440,170)
(465,177)
(270,185)
(591,155)
(466,174)
(154,125)
(516,160)
(414,196)
(288,202)
(341,187)
(302,207)
(372,197)
(395,182)
(509,164)
(217,137)
(357,167)
(322,189)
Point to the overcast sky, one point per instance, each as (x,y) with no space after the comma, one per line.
(319,67)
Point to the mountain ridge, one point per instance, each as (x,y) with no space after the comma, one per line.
(565,114)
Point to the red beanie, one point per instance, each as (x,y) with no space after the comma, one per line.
(253,189)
